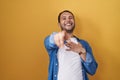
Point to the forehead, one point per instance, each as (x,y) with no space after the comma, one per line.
(66,14)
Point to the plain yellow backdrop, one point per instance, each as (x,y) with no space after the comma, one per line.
(25,23)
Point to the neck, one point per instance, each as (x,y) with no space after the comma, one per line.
(68,36)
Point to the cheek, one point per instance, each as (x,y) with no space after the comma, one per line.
(73,21)
(62,22)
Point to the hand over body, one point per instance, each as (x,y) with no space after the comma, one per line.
(61,37)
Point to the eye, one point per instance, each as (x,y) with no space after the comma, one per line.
(63,18)
(70,17)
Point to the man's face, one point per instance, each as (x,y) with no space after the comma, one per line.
(67,22)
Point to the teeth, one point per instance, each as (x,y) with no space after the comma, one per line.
(68,24)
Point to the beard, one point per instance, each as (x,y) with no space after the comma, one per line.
(68,30)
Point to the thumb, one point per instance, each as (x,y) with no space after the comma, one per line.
(63,33)
(61,38)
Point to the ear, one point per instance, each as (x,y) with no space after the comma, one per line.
(59,24)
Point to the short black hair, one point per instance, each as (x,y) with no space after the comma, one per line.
(63,12)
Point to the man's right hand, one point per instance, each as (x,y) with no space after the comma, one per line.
(59,39)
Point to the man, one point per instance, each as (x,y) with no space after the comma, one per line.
(70,57)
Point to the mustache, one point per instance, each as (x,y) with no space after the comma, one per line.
(68,31)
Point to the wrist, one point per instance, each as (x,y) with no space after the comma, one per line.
(82,53)
(83,56)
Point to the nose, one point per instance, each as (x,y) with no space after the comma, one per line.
(67,19)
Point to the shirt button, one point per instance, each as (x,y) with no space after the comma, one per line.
(56,64)
(55,75)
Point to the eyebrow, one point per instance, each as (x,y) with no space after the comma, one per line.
(65,16)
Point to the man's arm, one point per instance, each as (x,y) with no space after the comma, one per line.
(49,42)
(89,64)
(55,40)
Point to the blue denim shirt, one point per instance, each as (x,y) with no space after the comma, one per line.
(89,66)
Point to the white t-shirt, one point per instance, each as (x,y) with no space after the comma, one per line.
(70,66)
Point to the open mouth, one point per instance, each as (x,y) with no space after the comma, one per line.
(68,24)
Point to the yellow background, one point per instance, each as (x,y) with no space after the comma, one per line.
(25,23)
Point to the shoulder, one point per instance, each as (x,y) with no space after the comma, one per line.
(50,35)
(46,38)
(82,41)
